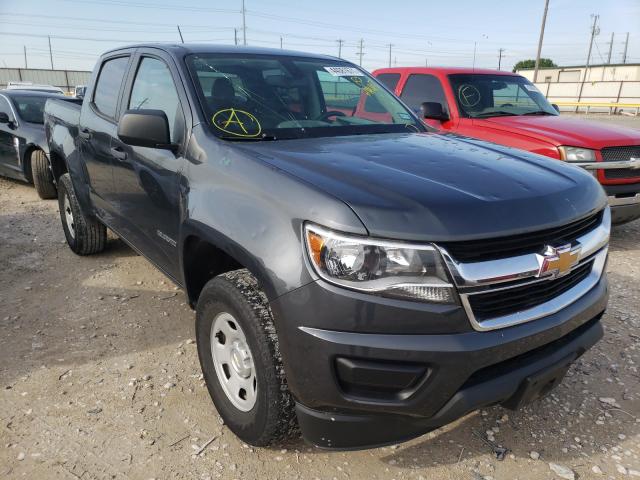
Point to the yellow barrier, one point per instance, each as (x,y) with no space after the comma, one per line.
(612,106)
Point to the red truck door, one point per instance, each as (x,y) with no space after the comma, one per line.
(423,87)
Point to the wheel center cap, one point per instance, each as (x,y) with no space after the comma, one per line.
(240,360)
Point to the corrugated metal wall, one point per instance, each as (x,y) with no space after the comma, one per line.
(65,79)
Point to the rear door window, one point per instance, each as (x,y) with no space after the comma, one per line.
(108,85)
(5,107)
(422,88)
(389,80)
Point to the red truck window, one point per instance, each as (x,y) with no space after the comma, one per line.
(389,80)
(422,88)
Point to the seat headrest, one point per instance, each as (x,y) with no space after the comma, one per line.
(222,89)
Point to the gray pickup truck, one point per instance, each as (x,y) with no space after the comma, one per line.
(354,273)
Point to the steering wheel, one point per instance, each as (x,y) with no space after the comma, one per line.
(330,113)
(507,105)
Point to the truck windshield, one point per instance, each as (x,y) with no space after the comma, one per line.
(484,96)
(249,97)
(30,107)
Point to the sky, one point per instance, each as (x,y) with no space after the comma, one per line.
(420,32)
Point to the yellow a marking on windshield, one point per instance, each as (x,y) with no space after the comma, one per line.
(236,122)
(233,118)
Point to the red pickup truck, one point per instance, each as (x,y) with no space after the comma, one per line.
(508,109)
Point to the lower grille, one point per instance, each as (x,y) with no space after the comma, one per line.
(504,302)
(616,154)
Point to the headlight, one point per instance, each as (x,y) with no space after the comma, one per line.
(390,269)
(575,154)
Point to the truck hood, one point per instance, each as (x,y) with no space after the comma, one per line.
(433,187)
(559,130)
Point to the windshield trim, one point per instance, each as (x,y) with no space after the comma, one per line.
(335,131)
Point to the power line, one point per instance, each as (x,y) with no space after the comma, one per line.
(125,3)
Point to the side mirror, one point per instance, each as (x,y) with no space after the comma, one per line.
(434,111)
(4,118)
(145,128)
(556,107)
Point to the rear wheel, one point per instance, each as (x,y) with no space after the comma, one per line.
(85,235)
(240,359)
(42,176)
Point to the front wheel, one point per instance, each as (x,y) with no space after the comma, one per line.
(42,176)
(85,235)
(240,359)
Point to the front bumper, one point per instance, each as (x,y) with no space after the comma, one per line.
(624,201)
(457,370)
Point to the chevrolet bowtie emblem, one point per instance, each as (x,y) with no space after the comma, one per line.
(558,261)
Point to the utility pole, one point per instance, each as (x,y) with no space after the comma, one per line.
(626,45)
(500,57)
(180,33)
(26,65)
(280,43)
(50,53)
(594,31)
(340,42)
(244,24)
(426,62)
(544,22)
(390,45)
(361,50)
(235,36)
(475,45)
(610,49)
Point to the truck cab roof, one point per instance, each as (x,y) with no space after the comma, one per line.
(185,49)
(442,70)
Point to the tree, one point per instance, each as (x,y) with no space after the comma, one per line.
(529,64)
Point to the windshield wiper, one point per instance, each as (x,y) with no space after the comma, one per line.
(537,112)
(262,138)
(497,113)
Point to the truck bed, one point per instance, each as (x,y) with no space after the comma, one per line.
(62,111)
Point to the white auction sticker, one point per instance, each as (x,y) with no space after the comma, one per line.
(344,71)
(531,88)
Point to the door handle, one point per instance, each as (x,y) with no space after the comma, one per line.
(118,153)
(85,133)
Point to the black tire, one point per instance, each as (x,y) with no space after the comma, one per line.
(42,176)
(86,235)
(272,418)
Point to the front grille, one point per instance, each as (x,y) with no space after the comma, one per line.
(534,242)
(616,154)
(504,302)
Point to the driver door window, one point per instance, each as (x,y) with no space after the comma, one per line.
(154,89)
(423,88)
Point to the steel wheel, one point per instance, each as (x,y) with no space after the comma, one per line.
(68,215)
(233,362)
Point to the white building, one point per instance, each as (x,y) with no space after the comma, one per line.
(627,72)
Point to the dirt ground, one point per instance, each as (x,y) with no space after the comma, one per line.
(99,378)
